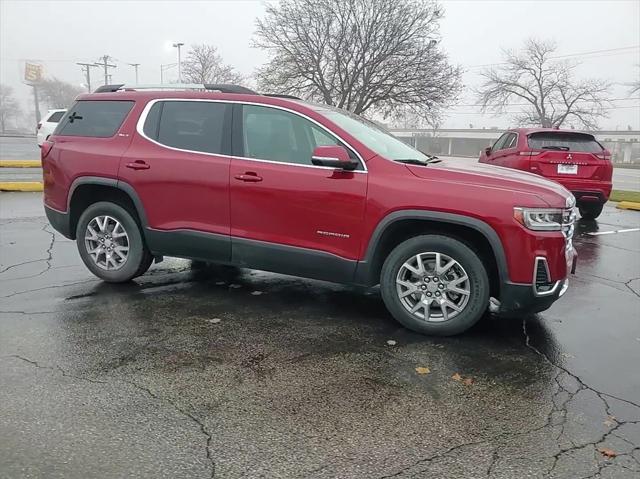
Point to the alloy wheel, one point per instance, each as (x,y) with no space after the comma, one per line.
(433,286)
(107,242)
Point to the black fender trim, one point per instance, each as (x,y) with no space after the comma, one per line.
(364,273)
(113,183)
(119,184)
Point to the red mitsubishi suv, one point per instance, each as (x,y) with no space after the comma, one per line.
(219,173)
(573,159)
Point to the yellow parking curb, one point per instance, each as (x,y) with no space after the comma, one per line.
(21,186)
(20,164)
(629,205)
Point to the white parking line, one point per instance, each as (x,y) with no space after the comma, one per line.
(628,230)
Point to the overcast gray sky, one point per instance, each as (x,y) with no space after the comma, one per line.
(61,33)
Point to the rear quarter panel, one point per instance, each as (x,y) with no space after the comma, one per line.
(73,157)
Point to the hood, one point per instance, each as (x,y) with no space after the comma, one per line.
(554,194)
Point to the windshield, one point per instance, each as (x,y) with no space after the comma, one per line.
(374,137)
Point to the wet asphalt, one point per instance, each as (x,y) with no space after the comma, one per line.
(212,372)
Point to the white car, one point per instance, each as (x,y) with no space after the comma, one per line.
(48,124)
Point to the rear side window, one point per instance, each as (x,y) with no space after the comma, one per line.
(55,116)
(190,125)
(579,142)
(96,118)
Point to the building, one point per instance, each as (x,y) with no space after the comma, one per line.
(623,145)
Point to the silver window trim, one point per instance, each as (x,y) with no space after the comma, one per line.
(149,105)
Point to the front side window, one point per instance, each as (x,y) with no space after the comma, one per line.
(278,135)
(95,118)
(190,125)
(499,144)
(511,141)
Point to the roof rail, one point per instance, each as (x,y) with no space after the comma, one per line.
(223,88)
(277,95)
(228,88)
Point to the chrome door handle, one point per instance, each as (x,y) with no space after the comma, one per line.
(138,165)
(248,177)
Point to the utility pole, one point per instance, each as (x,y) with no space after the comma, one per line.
(86,69)
(104,63)
(135,65)
(178,45)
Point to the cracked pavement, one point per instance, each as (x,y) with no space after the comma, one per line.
(191,372)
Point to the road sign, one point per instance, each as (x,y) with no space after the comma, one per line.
(32,72)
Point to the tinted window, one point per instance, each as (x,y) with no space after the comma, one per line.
(152,121)
(500,142)
(511,141)
(94,118)
(564,141)
(55,116)
(193,125)
(278,135)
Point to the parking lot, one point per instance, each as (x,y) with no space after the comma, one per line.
(26,149)
(191,372)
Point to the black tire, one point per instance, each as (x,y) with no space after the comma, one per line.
(478,284)
(138,259)
(590,211)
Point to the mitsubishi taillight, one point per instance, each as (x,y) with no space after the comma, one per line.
(604,156)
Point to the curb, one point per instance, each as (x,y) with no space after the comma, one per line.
(629,205)
(20,164)
(21,186)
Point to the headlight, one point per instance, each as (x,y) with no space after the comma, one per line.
(543,219)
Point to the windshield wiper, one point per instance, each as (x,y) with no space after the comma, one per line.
(554,147)
(416,161)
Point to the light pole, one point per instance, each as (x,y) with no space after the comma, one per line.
(135,65)
(178,45)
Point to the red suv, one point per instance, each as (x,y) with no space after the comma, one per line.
(223,174)
(573,159)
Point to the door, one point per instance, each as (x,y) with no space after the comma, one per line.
(179,167)
(288,215)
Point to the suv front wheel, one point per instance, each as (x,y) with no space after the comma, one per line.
(435,285)
(110,243)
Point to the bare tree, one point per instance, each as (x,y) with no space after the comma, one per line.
(204,65)
(57,93)
(9,107)
(546,88)
(362,55)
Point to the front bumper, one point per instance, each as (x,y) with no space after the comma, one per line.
(527,299)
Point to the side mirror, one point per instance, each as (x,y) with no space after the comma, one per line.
(487,151)
(334,157)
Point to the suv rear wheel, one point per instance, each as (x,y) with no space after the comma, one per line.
(435,285)
(110,243)
(590,211)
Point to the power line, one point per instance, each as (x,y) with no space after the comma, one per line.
(620,50)
(516,112)
(105,65)
(552,103)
